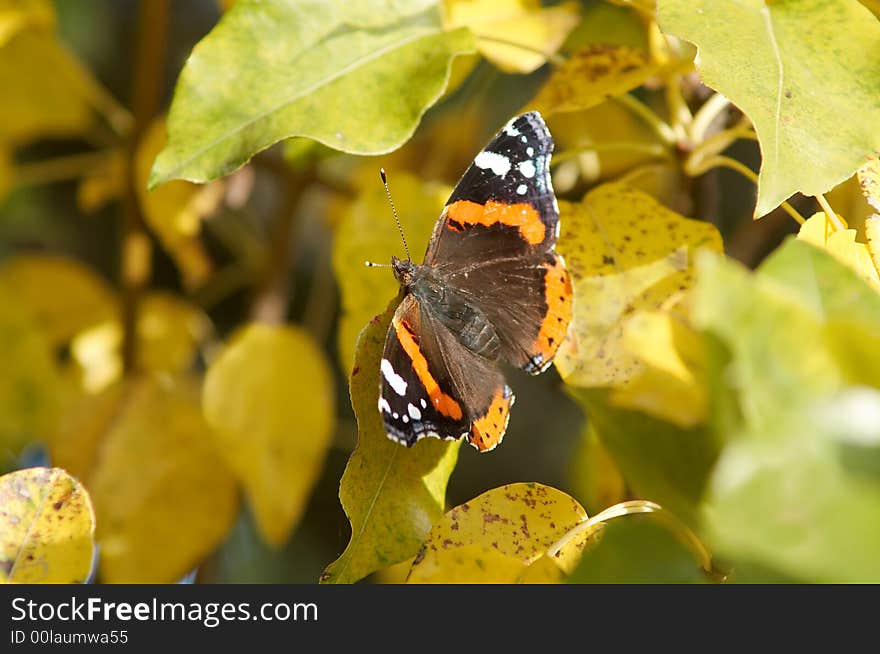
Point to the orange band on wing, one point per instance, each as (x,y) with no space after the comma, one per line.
(558,293)
(522,215)
(442,402)
(488,430)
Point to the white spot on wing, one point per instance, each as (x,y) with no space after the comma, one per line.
(510,130)
(394,380)
(413,411)
(521,189)
(530,151)
(497,163)
(424,404)
(384,406)
(405,419)
(527,168)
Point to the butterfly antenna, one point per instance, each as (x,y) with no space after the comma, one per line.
(394,211)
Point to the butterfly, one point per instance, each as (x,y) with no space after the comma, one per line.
(491,289)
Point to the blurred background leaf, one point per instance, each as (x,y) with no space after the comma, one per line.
(269,399)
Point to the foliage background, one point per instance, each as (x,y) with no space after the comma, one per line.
(283,239)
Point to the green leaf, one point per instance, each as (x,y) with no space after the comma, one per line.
(638,549)
(354,76)
(46,528)
(269,397)
(392,495)
(801,496)
(827,286)
(516,523)
(774,340)
(661,462)
(163,497)
(795,68)
(774,325)
(367,232)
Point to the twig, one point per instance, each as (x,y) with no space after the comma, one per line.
(146,93)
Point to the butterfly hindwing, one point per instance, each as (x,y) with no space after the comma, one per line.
(433,386)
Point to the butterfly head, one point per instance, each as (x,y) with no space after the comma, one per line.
(404,270)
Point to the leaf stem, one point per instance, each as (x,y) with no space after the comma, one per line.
(634,507)
(728,162)
(679,112)
(117,116)
(59,169)
(136,249)
(706,115)
(832,216)
(652,149)
(643,111)
(718,143)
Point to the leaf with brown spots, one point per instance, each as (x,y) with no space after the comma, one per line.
(625,253)
(391,495)
(592,75)
(46,527)
(480,540)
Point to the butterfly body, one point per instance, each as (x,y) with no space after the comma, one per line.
(491,290)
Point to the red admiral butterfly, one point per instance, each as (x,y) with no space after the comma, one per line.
(491,289)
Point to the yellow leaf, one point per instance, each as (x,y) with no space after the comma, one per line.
(872,233)
(391,494)
(84,419)
(30,384)
(367,232)
(592,75)
(61,294)
(670,385)
(468,564)
(174,211)
(543,571)
(818,230)
(518,36)
(625,253)
(163,497)
(46,528)
(869,179)
(169,330)
(520,522)
(16,15)
(46,91)
(269,397)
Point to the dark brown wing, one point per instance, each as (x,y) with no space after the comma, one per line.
(433,386)
(504,205)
